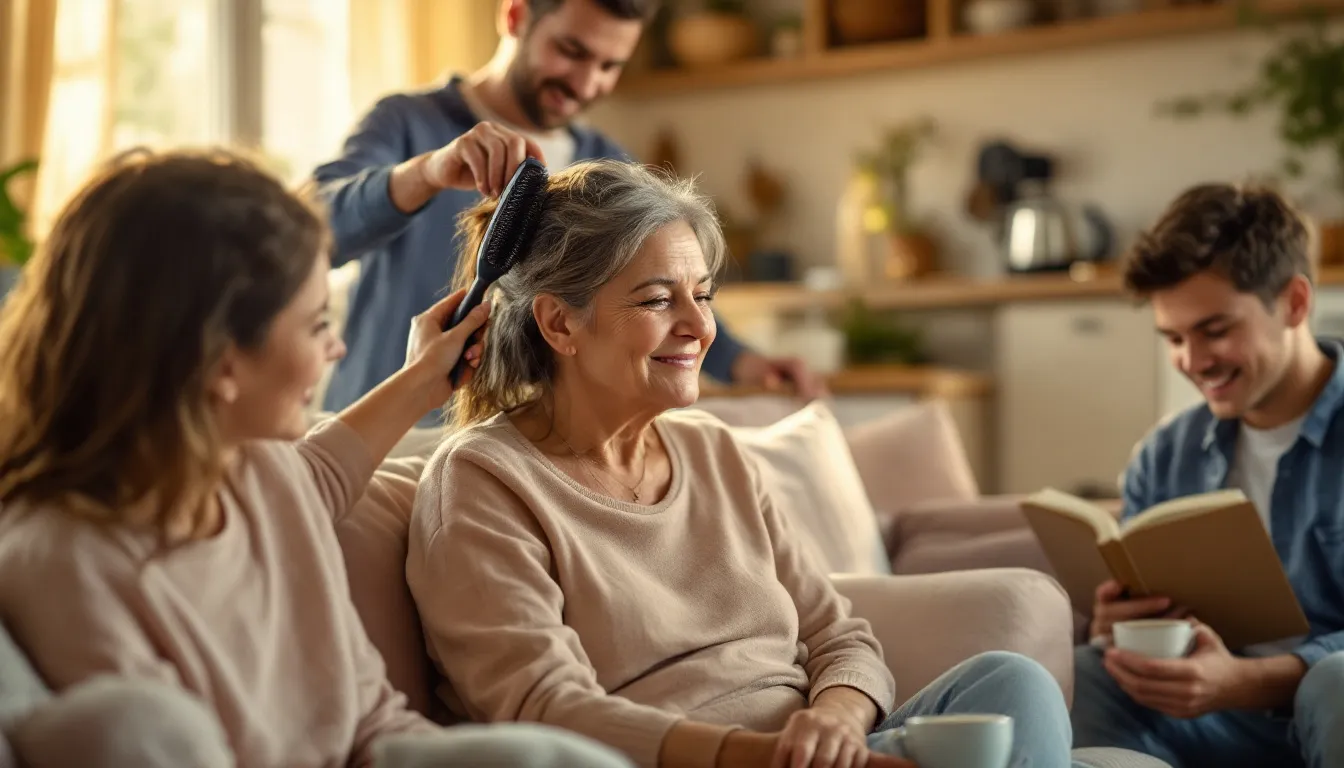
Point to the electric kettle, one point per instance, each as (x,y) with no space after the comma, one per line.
(1041,233)
(1036,231)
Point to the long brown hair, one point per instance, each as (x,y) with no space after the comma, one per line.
(595,216)
(108,341)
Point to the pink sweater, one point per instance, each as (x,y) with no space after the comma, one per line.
(257,621)
(545,602)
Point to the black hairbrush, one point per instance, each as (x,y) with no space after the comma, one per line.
(507,237)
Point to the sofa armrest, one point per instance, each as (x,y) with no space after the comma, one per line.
(989,532)
(929,623)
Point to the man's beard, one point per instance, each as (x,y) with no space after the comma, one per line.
(529,95)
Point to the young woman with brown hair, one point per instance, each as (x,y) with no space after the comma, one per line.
(166,540)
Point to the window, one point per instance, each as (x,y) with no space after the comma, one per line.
(268,75)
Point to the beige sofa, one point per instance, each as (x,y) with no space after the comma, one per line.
(926,623)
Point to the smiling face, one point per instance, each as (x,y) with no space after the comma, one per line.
(567,58)
(265,393)
(1232,346)
(642,340)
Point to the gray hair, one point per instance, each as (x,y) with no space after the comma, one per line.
(595,217)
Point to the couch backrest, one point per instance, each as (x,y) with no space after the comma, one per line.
(373,538)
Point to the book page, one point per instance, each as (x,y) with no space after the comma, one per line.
(1183,507)
(1066,503)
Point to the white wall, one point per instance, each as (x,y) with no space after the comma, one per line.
(1093,108)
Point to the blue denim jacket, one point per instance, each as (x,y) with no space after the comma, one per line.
(1192,453)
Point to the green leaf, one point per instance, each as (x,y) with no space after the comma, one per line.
(14,244)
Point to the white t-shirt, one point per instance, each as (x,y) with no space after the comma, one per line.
(557,145)
(1255,465)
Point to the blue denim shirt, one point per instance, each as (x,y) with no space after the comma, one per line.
(1192,453)
(407,260)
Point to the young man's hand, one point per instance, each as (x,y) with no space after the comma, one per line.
(1111,606)
(484,158)
(1210,679)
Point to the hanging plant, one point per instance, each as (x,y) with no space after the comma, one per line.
(15,246)
(1302,78)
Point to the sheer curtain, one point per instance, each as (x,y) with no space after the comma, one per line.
(27,28)
(380,54)
(77,131)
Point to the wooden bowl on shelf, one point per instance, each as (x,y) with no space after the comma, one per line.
(711,39)
(855,22)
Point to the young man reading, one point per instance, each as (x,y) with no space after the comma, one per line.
(1227,272)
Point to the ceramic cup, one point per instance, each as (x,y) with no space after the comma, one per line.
(1157,638)
(957,741)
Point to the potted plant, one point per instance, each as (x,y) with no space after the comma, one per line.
(873,338)
(720,33)
(912,251)
(15,246)
(1301,79)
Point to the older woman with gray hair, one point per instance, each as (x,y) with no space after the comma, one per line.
(585,553)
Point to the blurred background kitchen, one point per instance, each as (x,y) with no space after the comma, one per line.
(924,198)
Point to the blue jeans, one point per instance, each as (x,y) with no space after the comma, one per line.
(996,683)
(1105,716)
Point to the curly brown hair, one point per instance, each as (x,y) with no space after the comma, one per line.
(1249,234)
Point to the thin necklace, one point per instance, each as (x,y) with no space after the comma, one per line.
(634,490)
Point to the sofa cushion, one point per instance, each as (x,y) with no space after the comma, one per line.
(806,465)
(912,454)
(373,538)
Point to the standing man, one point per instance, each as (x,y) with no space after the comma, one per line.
(1228,274)
(419,159)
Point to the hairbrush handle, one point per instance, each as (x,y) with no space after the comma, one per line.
(475,295)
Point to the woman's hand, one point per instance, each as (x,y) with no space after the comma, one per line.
(435,351)
(821,738)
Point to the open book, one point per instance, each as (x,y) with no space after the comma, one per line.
(1209,552)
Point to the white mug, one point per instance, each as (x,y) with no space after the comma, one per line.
(957,741)
(1156,638)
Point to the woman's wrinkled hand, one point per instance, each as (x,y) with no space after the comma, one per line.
(821,738)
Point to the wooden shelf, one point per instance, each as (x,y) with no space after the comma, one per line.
(946,46)
(932,292)
(916,380)
(941,292)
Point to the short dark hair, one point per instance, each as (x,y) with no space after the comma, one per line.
(1249,234)
(633,10)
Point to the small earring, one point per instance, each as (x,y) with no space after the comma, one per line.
(228,393)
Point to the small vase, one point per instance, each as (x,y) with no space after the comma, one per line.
(992,17)
(912,255)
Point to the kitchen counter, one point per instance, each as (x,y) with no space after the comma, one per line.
(943,291)
(913,380)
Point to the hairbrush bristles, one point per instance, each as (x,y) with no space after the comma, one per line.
(507,238)
(514,221)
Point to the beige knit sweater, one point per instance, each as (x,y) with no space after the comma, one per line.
(256,621)
(543,601)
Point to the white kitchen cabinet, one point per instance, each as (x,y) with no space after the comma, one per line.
(1327,317)
(1077,386)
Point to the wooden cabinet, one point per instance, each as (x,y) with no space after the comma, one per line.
(1077,388)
